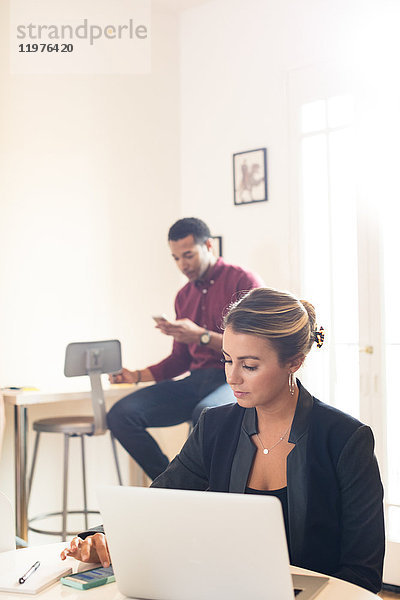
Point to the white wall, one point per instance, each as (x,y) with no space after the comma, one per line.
(89,184)
(236,59)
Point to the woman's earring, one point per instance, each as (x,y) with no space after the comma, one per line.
(292,383)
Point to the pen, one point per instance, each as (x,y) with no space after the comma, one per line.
(33,568)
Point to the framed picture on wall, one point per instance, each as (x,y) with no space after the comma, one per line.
(250,176)
(217,245)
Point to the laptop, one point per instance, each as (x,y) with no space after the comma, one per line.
(186,545)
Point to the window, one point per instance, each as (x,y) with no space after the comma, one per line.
(344,158)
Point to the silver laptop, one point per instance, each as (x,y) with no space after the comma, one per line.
(185,545)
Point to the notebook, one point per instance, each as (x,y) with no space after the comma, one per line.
(187,545)
(15,563)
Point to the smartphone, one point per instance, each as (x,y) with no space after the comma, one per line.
(160,318)
(90,578)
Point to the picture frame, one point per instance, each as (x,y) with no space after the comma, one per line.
(217,245)
(250,176)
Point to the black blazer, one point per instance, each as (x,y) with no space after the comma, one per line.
(335,509)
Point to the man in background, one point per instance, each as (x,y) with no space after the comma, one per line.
(213,285)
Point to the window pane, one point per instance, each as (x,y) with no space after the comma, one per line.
(392,348)
(347,379)
(330,259)
(393,524)
(393,419)
(340,111)
(344,271)
(313,117)
(315,255)
(315,221)
(344,253)
(390,226)
(315,374)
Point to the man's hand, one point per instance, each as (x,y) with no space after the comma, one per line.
(93,549)
(125,376)
(183,330)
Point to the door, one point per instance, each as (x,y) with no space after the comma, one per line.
(345,224)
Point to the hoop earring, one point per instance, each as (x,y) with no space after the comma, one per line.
(292,383)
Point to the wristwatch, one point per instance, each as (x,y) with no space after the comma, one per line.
(205,338)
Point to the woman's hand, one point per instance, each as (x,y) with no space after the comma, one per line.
(92,549)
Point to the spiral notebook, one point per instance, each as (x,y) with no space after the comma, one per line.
(15,563)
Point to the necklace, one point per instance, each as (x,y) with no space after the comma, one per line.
(268,450)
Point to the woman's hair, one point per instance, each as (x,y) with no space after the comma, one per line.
(279,317)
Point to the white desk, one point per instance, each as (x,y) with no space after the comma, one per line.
(335,590)
(21,400)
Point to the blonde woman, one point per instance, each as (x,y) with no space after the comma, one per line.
(279,440)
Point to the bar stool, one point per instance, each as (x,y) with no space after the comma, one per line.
(82,358)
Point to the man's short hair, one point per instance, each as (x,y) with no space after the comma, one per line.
(189,226)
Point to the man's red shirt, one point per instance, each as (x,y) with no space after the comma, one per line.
(205,302)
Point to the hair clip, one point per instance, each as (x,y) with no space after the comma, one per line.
(319,336)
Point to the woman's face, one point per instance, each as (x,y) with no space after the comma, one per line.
(253,370)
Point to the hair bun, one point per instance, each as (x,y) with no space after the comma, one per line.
(309,309)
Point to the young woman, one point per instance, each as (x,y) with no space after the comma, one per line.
(280,440)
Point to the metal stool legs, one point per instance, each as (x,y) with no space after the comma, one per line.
(84,482)
(64,513)
(114,447)
(65,488)
(33,464)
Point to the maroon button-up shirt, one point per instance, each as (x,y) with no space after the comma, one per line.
(204,302)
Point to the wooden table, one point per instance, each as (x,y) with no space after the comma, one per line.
(21,400)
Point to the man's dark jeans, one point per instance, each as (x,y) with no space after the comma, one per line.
(162,405)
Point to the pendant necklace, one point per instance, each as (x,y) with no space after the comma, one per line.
(268,450)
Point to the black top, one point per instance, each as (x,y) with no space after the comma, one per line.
(282,496)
